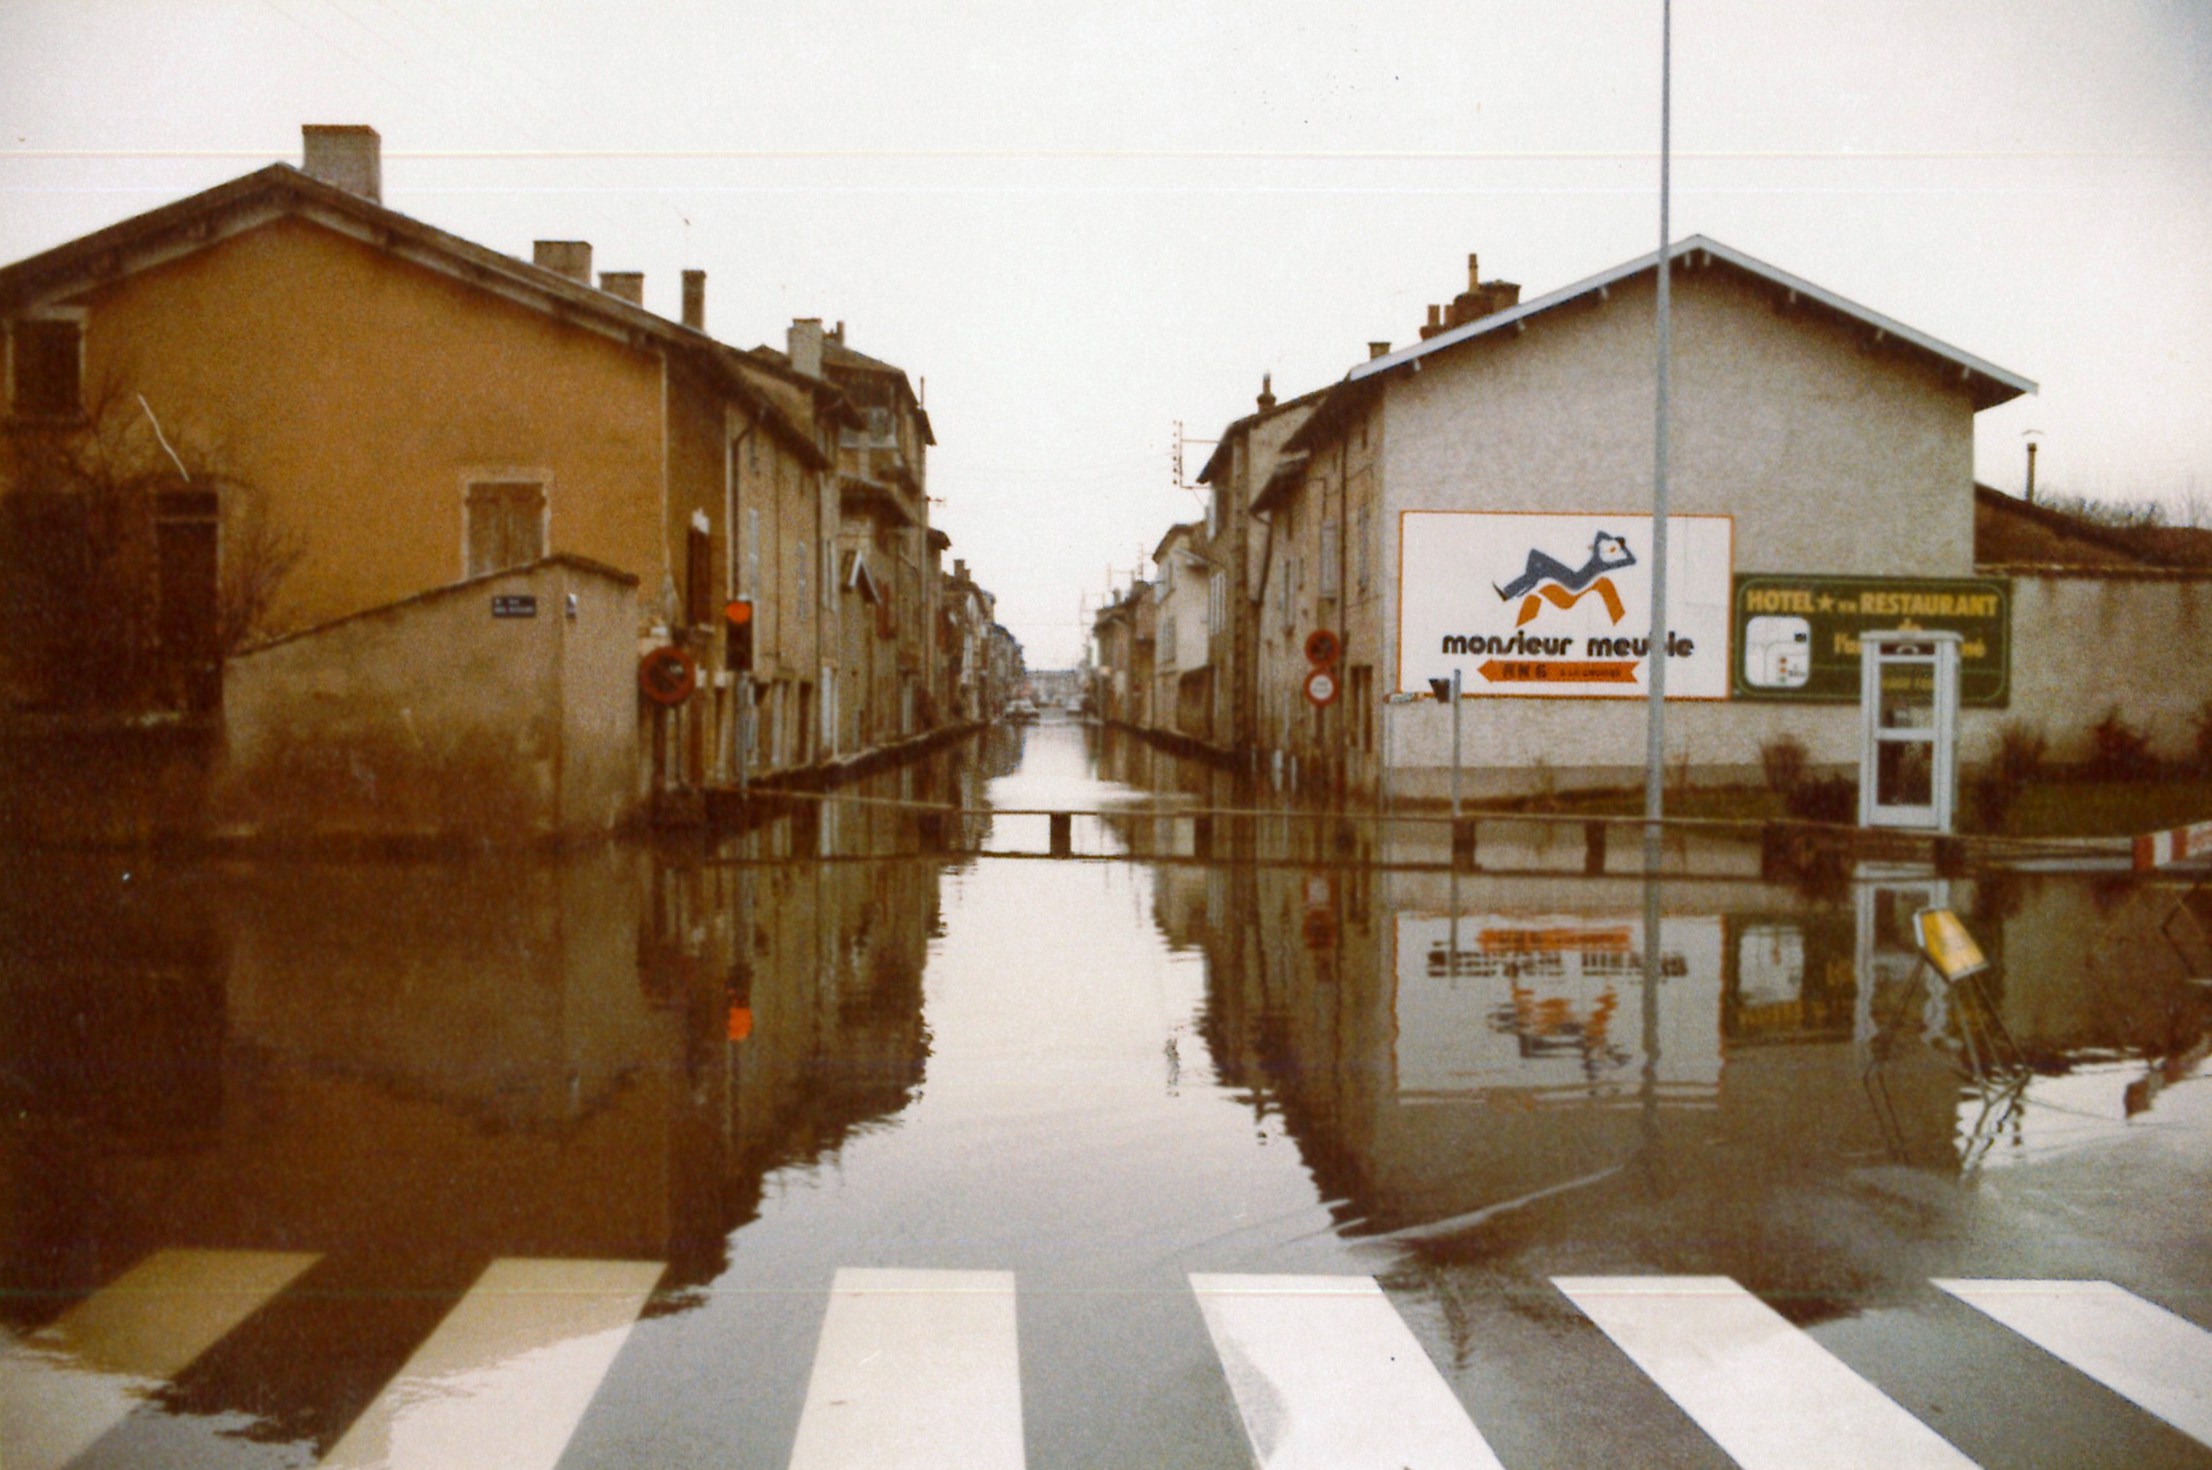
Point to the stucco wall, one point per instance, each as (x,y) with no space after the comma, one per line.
(356,391)
(431,718)
(1832,454)
(2086,642)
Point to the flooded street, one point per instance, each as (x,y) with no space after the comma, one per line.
(877,1136)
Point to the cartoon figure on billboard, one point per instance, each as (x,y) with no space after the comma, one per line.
(1546,578)
(1778,652)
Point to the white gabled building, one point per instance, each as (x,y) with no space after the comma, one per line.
(1481,498)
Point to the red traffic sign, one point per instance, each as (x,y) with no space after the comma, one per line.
(667,675)
(1321,686)
(738,612)
(1322,647)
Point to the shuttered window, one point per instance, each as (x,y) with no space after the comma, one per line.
(506,524)
(46,368)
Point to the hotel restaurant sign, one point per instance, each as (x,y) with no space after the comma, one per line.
(1799,635)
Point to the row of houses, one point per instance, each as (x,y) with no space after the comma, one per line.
(403,505)
(1477,502)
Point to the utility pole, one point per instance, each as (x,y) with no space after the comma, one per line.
(1655,740)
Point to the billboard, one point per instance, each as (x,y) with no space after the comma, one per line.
(1799,635)
(1545,605)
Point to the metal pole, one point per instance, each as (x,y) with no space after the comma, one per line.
(1455,753)
(744,734)
(1655,742)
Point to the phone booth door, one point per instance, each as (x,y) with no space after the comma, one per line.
(1908,740)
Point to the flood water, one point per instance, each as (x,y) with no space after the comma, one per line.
(275,1131)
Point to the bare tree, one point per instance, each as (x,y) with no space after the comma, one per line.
(135,559)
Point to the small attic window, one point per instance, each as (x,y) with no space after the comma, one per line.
(46,368)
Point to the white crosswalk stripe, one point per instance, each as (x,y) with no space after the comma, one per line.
(507,1376)
(915,1370)
(1327,1375)
(1766,1392)
(77,1378)
(2142,1352)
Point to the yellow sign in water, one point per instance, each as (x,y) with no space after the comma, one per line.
(1947,945)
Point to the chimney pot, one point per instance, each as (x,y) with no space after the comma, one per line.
(346,155)
(1267,392)
(805,344)
(570,258)
(1474,272)
(695,300)
(1377,349)
(624,285)
(838,336)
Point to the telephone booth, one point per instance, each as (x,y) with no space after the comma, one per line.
(1908,728)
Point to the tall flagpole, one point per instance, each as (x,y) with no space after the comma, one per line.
(1655,724)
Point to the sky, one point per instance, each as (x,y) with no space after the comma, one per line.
(1076,225)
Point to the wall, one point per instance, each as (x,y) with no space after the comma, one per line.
(1831,456)
(2085,641)
(355,391)
(431,719)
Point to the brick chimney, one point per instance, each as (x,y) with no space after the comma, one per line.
(695,300)
(625,285)
(805,344)
(1434,324)
(570,258)
(1267,392)
(1479,300)
(347,155)
(1377,349)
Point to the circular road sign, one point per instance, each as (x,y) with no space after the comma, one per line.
(1321,686)
(667,675)
(1321,647)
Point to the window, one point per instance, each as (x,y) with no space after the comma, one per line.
(1217,603)
(505,525)
(46,367)
(804,561)
(1366,534)
(1331,557)
(698,577)
(752,553)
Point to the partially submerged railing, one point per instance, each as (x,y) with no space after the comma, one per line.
(1365,835)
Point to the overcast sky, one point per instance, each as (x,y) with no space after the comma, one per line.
(1082,223)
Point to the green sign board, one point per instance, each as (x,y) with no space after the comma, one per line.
(1797,638)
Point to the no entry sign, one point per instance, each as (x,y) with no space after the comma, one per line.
(1321,686)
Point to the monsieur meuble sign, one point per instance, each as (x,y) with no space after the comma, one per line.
(1545,605)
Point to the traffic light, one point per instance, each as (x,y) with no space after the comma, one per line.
(737,642)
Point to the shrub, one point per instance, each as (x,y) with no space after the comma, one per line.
(1824,799)
(2118,751)
(1783,761)
(2017,762)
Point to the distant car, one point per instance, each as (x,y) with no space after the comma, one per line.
(1021,711)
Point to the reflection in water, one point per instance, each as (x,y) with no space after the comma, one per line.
(412,1070)
(1442,1045)
(762,1057)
